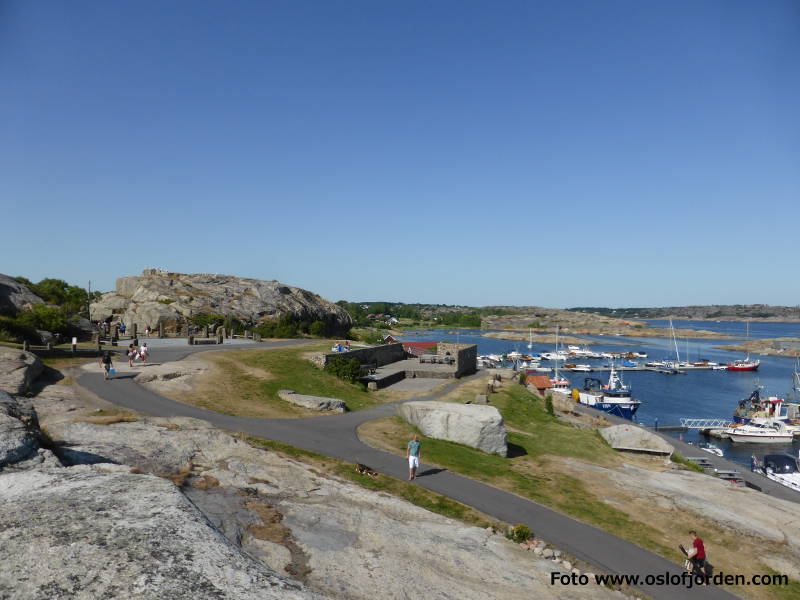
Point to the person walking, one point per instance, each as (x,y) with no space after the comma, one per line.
(144,352)
(413,455)
(132,354)
(106,363)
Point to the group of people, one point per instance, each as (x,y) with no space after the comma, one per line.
(142,353)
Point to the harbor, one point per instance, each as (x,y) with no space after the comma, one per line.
(700,393)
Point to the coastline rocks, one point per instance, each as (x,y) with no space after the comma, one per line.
(18,369)
(15,296)
(102,532)
(480,427)
(171,298)
(18,431)
(313,402)
(635,439)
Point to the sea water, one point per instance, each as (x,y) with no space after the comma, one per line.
(668,398)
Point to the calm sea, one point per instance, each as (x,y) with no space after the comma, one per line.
(667,398)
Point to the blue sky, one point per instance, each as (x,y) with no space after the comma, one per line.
(614,153)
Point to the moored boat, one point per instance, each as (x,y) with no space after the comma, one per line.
(780,468)
(614,397)
(760,431)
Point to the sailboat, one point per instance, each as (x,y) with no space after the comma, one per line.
(530,338)
(559,384)
(747,364)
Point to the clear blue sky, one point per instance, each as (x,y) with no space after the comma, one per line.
(616,153)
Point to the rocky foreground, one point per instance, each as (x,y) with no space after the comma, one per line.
(173,508)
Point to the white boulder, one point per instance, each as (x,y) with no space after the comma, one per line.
(635,439)
(313,402)
(480,427)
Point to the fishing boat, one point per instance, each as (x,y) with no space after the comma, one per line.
(780,468)
(760,431)
(772,407)
(747,364)
(614,397)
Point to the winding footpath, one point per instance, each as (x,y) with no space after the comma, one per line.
(335,436)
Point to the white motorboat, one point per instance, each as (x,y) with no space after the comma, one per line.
(711,448)
(581,368)
(761,431)
(780,468)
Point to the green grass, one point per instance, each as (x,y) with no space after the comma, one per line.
(414,494)
(689,465)
(292,372)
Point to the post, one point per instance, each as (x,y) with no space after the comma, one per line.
(74,346)
(220,334)
(134,330)
(115,332)
(205,331)
(24,345)
(191,340)
(135,342)
(160,329)
(49,346)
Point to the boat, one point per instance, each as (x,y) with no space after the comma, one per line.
(614,397)
(747,364)
(711,448)
(760,431)
(530,338)
(772,407)
(780,468)
(557,383)
(581,368)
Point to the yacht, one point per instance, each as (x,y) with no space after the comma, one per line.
(761,431)
(780,468)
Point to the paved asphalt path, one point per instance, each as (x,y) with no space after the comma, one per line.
(335,436)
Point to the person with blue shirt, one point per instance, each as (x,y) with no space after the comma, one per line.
(413,454)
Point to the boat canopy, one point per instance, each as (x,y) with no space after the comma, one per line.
(780,463)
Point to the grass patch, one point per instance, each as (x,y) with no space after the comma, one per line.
(686,463)
(108,419)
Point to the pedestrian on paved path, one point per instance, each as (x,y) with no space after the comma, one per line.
(144,352)
(413,454)
(106,363)
(132,354)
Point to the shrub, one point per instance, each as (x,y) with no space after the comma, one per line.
(318,329)
(167,301)
(44,317)
(348,369)
(208,320)
(519,533)
(548,405)
(12,331)
(523,378)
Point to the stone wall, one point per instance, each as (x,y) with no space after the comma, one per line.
(378,355)
(466,356)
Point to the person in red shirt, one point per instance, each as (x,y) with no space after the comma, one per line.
(698,554)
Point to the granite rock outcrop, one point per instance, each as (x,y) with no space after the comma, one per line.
(158,296)
(15,296)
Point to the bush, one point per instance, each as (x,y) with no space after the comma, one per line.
(48,318)
(519,533)
(523,378)
(318,329)
(348,369)
(285,327)
(208,320)
(13,331)
(548,405)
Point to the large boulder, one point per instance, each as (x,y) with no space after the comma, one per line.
(312,402)
(102,532)
(15,296)
(18,369)
(160,297)
(480,427)
(635,439)
(20,436)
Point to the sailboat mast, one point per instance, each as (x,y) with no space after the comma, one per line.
(675,342)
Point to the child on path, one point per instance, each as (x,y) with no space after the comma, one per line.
(132,354)
(106,363)
(144,352)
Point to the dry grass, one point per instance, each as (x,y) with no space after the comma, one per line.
(180,478)
(206,482)
(271,529)
(108,419)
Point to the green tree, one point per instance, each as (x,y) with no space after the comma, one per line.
(318,329)
(348,369)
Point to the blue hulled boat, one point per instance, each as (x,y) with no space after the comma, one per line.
(613,398)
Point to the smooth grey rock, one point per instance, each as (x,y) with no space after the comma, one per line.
(312,402)
(18,369)
(567,565)
(170,298)
(481,399)
(480,427)
(635,439)
(102,532)
(547,553)
(15,296)
(18,431)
